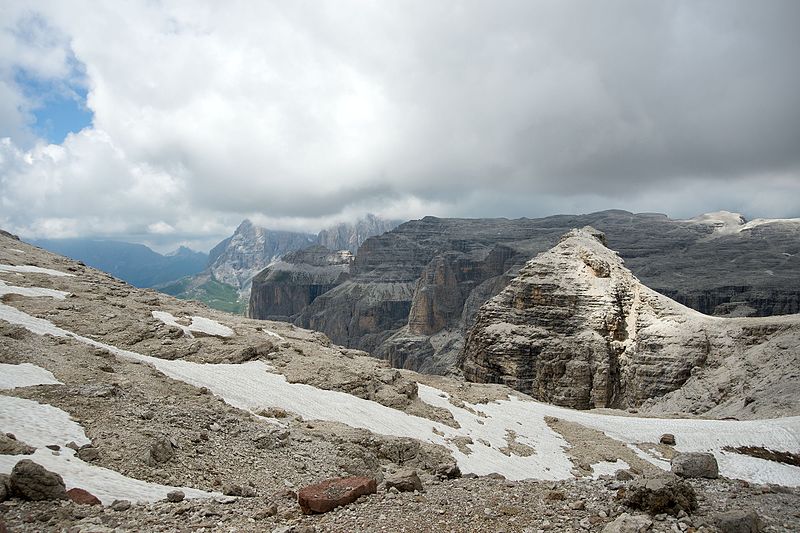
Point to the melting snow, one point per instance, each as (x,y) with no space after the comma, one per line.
(39,425)
(251,386)
(25,375)
(32,292)
(32,269)
(199,324)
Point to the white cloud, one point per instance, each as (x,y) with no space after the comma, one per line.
(301,113)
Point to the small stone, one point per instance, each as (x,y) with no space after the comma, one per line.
(668,439)
(554,495)
(121,505)
(626,523)
(739,521)
(88,453)
(623,475)
(83,497)
(577,506)
(175,496)
(404,481)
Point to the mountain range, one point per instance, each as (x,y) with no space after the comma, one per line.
(135,263)
(411,295)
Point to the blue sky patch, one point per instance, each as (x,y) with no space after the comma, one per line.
(58,106)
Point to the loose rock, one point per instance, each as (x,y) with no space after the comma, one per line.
(664,494)
(175,496)
(626,523)
(739,521)
(405,481)
(668,439)
(83,497)
(32,481)
(332,493)
(693,465)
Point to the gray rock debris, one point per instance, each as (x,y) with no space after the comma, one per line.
(405,480)
(626,523)
(739,521)
(664,494)
(692,465)
(32,481)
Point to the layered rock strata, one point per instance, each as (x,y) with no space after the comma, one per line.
(576,328)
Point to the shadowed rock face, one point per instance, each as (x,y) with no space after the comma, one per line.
(286,288)
(414,291)
(576,328)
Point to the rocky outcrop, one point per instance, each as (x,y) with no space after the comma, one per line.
(578,329)
(241,256)
(285,288)
(350,236)
(414,291)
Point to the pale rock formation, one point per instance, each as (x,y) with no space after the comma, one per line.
(577,328)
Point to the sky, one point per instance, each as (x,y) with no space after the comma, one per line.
(168,122)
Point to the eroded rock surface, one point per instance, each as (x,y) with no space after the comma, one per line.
(578,329)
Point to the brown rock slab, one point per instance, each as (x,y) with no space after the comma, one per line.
(83,497)
(332,493)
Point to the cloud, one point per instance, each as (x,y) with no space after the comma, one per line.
(300,113)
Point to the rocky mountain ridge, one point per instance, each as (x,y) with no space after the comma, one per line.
(232,264)
(576,328)
(413,292)
(176,416)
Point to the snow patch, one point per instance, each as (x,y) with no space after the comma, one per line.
(25,375)
(198,324)
(33,269)
(608,468)
(251,386)
(39,425)
(33,292)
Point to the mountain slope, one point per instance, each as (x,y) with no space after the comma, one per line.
(164,393)
(135,263)
(414,291)
(576,328)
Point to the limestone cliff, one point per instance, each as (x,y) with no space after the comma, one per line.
(413,292)
(578,329)
(285,288)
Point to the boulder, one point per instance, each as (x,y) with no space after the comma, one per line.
(448,471)
(161,451)
(695,465)
(32,481)
(626,523)
(739,521)
(88,453)
(83,497)
(175,496)
(5,487)
(9,445)
(332,493)
(663,494)
(405,480)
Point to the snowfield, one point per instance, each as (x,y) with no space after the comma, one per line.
(39,425)
(253,386)
(198,324)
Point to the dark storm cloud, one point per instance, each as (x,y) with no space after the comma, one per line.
(203,116)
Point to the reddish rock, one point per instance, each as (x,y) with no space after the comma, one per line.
(83,497)
(332,493)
